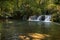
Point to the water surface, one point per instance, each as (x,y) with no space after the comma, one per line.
(12,29)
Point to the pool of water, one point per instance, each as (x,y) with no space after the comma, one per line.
(14,29)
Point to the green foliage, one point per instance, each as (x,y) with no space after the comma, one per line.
(56,17)
(57,2)
(25,8)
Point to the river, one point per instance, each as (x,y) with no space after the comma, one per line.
(12,29)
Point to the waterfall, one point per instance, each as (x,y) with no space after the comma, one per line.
(44,18)
(34,18)
(47,18)
(39,18)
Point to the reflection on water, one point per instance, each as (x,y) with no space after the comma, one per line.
(15,29)
(0,28)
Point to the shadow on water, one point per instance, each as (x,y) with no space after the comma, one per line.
(24,30)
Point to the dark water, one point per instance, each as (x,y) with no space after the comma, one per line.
(11,29)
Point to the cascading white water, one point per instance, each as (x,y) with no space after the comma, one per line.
(47,18)
(35,18)
(39,18)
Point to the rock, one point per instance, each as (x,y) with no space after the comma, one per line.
(38,36)
(24,37)
(34,36)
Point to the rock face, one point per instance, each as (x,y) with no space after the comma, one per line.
(43,18)
(22,37)
(34,36)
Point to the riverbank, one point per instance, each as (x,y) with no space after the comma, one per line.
(57,23)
